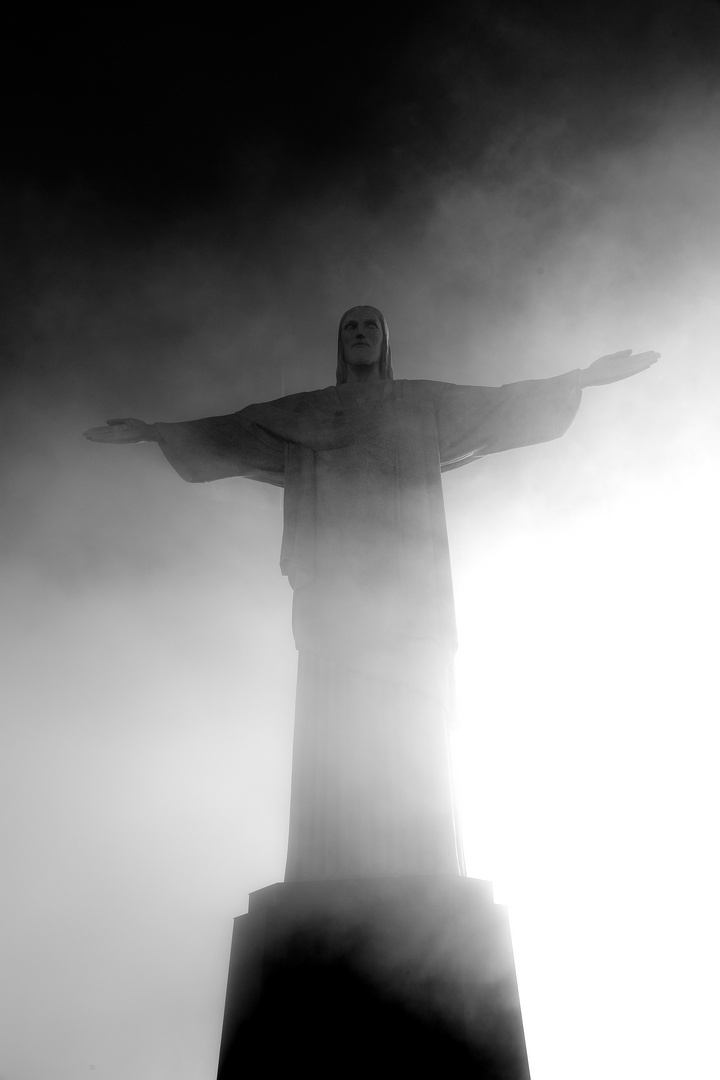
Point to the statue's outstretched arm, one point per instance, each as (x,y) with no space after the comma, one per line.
(211,448)
(616,366)
(128,430)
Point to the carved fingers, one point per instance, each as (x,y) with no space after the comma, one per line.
(618,365)
(126,430)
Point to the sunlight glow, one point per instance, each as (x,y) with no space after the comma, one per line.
(585,762)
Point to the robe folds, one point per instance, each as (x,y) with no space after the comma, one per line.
(365,550)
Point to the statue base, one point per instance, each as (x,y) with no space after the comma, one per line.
(370,976)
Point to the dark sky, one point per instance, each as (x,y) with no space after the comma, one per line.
(124,134)
(188,205)
(156,117)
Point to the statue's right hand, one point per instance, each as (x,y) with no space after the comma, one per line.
(128,430)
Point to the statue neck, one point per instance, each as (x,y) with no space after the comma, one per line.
(364,374)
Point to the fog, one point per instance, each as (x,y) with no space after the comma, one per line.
(551,196)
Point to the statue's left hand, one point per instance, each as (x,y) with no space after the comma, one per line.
(616,366)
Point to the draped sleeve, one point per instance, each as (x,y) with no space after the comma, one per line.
(221,446)
(477,420)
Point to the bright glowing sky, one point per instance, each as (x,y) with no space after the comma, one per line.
(148,669)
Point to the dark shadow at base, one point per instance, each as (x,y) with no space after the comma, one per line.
(380,978)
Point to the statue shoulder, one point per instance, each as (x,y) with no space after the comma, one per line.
(421,389)
(304,402)
(426,386)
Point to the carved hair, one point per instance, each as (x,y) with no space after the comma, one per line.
(386,371)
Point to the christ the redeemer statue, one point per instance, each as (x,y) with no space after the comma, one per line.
(365,550)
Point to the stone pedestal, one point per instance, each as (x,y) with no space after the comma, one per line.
(373,977)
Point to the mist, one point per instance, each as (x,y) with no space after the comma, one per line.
(520,190)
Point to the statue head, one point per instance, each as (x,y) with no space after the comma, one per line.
(358,323)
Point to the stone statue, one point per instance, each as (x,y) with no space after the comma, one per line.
(366,553)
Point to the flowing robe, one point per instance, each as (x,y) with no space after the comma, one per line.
(365,550)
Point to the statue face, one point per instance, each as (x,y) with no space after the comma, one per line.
(362,337)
